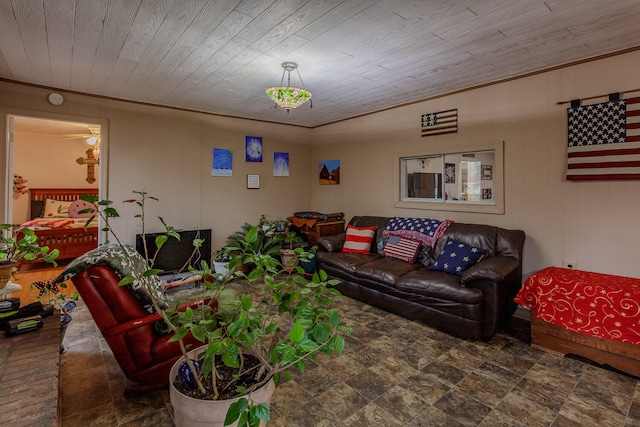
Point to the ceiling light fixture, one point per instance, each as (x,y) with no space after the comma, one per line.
(94,140)
(289,97)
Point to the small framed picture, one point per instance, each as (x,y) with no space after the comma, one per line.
(329,172)
(253,149)
(253,181)
(449,173)
(487,172)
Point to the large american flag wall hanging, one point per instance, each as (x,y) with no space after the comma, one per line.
(604,140)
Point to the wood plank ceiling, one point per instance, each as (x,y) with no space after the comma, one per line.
(355,56)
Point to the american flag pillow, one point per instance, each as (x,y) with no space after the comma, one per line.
(401,248)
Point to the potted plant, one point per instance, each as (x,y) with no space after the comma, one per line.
(221,259)
(308,261)
(267,242)
(288,255)
(250,342)
(17,246)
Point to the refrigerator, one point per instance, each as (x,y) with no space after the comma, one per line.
(424,185)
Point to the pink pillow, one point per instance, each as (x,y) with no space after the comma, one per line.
(79,205)
(358,239)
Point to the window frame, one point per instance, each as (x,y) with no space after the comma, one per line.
(452,205)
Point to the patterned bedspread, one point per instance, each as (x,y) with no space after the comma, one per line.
(596,304)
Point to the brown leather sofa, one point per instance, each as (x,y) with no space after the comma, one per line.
(470,306)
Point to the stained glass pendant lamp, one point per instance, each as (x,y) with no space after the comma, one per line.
(289,97)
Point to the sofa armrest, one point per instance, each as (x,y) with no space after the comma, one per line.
(332,243)
(494,269)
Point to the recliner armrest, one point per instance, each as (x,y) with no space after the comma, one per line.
(131,325)
(332,243)
(148,320)
(495,269)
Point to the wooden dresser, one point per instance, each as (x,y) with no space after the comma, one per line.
(323,228)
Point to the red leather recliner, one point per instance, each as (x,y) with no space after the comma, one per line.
(145,356)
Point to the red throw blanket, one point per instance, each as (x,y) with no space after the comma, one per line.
(596,304)
(47,222)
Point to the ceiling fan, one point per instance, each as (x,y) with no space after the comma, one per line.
(92,137)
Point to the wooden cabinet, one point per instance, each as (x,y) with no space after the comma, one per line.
(324,228)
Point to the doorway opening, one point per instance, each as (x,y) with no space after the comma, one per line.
(50,153)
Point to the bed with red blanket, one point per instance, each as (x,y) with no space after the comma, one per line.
(593,315)
(55,226)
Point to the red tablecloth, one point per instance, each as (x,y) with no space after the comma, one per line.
(601,305)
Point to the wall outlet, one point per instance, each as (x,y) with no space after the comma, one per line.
(568,263)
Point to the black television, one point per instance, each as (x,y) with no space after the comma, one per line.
(174,253)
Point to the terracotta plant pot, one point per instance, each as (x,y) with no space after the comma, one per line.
(288,259)
(190,412)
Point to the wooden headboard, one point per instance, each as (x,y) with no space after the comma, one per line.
(62,194)
(39,195)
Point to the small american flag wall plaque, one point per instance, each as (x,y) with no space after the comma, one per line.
(440,123)
(604,140)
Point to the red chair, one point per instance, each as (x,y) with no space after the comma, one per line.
(144,355)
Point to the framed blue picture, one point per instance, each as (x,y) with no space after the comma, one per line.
(253,148)
(222,162)
(280,164)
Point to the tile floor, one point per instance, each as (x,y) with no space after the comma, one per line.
(394,372)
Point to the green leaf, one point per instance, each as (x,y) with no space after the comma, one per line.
(127,280)
(321,332)
(260,411)
(199,333)
(237,326)
(230,356)
(338,344)
(89,198)
(255,274)
(161,239)
(111,213)
(289,356)
(271,328)
(307,346)
(334,317)
(235,409)
(180,333)
(297,333)
(246,302)
(152,272)
(251,236)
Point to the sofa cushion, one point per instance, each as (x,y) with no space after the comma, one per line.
(438,284)
(456,257)
(385,270)
(369,221)
(401,248)
(478,235)
(358,239)
(347,261)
